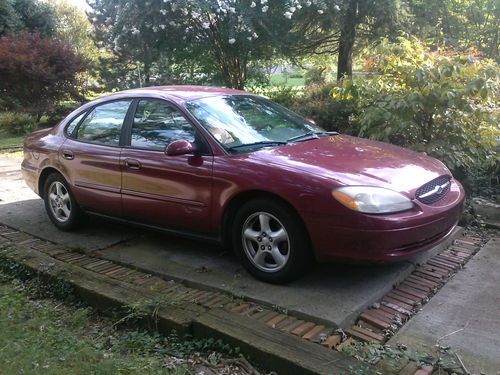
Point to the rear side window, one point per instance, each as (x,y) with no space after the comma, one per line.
(103,125)
(157,123)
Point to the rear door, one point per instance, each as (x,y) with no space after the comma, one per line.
(91,157)
(169,191)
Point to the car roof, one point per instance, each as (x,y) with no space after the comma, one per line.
(186,92)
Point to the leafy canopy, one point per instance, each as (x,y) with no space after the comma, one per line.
(26,15)
(227,34)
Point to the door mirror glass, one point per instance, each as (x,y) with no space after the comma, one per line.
(179,147)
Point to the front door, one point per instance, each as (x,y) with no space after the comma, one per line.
(169,191)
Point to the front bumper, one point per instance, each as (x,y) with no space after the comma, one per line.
(388,238)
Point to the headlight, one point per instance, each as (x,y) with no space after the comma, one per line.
(372,200)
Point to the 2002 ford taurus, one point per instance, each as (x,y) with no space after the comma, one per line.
(233,167)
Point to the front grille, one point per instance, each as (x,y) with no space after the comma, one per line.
(434,190)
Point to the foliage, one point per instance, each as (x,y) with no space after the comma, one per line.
(17,123)
(315,76)
(463,24)
(36,71)
(361,21)
(316,103)
(74,29)
(26,15)
(223,35)
(284,95)
(446,106)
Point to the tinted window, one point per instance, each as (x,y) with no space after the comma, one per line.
(104,123)
(70,128)
(157,123)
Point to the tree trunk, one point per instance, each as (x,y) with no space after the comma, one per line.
(147,73)
(346,42)
(233,69)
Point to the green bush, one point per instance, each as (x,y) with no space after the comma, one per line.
(315,75)
(441,104)
(284,95)
(316,103)
(17,123)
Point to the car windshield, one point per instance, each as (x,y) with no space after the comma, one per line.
(246,122)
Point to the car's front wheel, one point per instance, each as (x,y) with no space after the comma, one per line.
(271,241)
(60,204)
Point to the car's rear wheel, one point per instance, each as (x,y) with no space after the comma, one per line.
(60,203)
(271,241)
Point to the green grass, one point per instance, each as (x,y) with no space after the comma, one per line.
(7,141)
(45,336)
(280,79)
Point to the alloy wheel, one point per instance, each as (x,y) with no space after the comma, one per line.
(59,201)
(265,241)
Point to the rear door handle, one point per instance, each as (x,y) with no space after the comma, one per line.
(67,154)
(133,164)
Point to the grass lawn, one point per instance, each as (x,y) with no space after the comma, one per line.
(7,141)
(280,79)
(42,335)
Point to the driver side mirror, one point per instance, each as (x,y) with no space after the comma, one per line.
(179,147)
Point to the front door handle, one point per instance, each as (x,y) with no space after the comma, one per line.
(133,164)
(68,155)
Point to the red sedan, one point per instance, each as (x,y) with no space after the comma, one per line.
(232,167)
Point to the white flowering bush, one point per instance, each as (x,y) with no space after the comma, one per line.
(229,33)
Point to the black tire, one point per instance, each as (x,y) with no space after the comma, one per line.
(64,222)
(296,248)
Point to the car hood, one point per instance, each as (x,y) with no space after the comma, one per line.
(357,161)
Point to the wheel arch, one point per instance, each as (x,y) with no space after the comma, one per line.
(235,202)
(46,172)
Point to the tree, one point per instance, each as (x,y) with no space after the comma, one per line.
(228,35)
(462,24)
(26,15)
(36,71)
(74,29)
(366,19)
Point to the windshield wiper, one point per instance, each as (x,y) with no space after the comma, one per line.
(309,135)
(260,143)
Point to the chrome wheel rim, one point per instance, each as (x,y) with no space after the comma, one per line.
(266,242)
(59,201)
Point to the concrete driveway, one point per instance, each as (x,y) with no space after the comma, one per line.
(334,294)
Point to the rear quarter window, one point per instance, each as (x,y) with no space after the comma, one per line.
(70,128)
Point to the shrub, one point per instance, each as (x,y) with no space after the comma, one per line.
(35,72)
(284,95)
(315,75)
(446,106)
(16,123)
(316,103)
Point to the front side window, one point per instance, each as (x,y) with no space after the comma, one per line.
(103,125)
(157,123)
